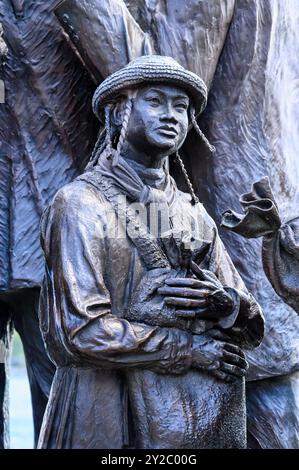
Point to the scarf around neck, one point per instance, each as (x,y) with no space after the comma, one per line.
(137,182)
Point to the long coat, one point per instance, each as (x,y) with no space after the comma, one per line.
(122,383)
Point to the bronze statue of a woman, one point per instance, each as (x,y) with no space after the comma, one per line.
(145,321)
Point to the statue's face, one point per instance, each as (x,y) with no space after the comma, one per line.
(158,123)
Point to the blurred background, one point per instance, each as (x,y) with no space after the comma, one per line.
(21,425)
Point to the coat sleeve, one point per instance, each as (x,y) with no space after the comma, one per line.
(75,310)
(248,327)
(280,256)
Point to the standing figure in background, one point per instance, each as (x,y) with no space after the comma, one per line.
(45,90)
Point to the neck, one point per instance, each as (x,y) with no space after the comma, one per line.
(130,152)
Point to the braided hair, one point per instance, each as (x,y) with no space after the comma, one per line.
(105,145)
(124,129)
(103,142)
(194,198)
(108,140)
(199,131)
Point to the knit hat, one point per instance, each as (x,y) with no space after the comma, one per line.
(150,69)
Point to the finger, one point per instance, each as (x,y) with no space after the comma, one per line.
(234,359)
(188,282)
(223,376)
(217,334)
(205,275)
(234,349)
(233,370)
(184,292)
(185,303)
(210,277)
(199,312)
(185,313)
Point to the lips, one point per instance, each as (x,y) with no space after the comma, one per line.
(168,130)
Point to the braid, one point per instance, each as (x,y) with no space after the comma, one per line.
(194,199)
(103,141)
(124,129)
(108,127)
(200,133)
(97,150)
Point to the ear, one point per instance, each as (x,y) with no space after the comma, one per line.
(117,112)
(191,114)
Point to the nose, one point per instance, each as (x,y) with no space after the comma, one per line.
(168,114)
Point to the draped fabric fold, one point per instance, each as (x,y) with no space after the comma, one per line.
(280,249)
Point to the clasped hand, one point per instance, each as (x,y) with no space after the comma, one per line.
(193,298)
(222,359)
(206,299)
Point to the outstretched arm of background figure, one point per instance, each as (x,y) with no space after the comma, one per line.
(75,252)
(104,33)
(280,252)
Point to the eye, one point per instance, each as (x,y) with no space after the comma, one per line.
(153,100)
(181,107)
